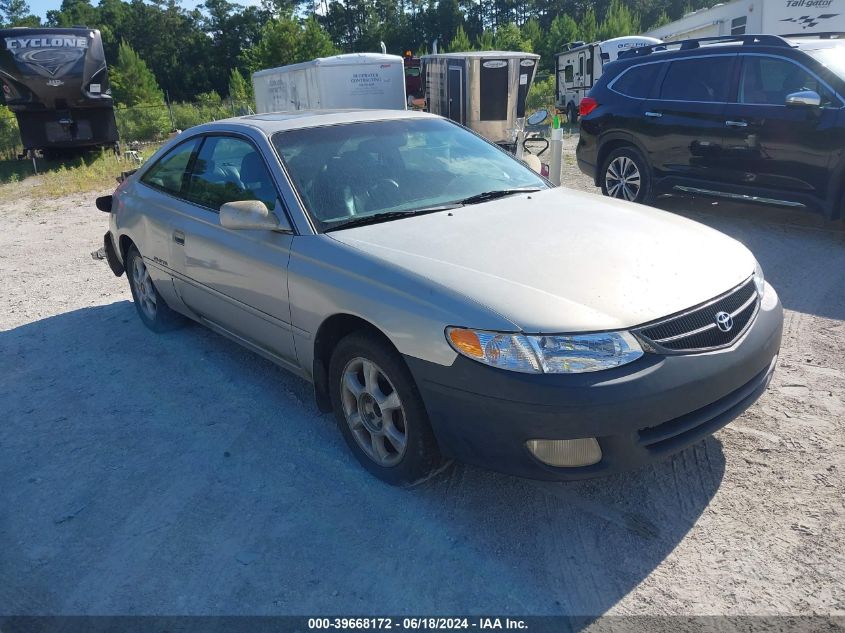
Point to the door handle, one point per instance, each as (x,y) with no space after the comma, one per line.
(736,123)
(179,237)
(654,115)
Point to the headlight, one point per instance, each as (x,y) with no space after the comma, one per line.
(560,354)
(759,280)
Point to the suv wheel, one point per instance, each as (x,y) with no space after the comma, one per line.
(625,176)
(152,309)
(380,412)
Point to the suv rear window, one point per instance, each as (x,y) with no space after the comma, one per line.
(703,79)
(636,82)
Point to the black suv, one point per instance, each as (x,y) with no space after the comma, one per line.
(753,117)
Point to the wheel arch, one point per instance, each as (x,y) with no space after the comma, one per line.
(608,144)
(124,243)
(331,331)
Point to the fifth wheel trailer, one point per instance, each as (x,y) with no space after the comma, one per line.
(56,82)
(355,80)
(772,17)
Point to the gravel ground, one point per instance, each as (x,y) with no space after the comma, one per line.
(180,474)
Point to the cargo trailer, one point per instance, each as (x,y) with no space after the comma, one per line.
(355,80)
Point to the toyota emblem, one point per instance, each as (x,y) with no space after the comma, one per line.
(724,321)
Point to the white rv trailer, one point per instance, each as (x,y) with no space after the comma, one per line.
(355,80)
(772,17)
(579,67)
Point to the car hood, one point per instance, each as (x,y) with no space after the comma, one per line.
(563,261)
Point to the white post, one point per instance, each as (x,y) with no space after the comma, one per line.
(556,148)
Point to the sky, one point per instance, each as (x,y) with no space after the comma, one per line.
(40,7)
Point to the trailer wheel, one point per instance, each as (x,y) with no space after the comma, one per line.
(572,114)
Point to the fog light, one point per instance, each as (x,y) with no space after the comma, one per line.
(584,451)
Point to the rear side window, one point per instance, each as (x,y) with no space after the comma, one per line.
(569,73)
(636,82)
(168,174)
(229,169)
(705,79)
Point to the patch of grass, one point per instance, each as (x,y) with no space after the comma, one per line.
(93,171)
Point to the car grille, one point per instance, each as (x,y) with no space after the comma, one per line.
(696,330)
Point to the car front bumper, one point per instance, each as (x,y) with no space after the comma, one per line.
(643,411)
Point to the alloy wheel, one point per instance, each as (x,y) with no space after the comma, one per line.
(622,179)
(374,412)
(144,289)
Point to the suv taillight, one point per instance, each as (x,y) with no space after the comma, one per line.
(588,104)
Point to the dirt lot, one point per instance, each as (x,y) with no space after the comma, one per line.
(144,474)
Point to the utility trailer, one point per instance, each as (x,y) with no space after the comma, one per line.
(354,80)
(580,65)
(56,82)
(768,17)
(483,90)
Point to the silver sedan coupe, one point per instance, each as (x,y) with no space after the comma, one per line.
(445,300)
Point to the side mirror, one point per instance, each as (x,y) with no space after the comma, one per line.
(538,117)
(251,214)
(104,203)
(804,98)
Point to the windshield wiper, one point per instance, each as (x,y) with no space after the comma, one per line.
(390,215)
(497,193)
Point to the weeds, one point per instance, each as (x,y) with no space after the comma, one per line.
(90,172)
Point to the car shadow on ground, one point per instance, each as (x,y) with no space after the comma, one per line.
(181,474)
(802,254)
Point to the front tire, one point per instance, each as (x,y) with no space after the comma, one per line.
(379,411)
(151,307)
(625,175)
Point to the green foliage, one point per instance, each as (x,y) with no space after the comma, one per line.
(509,38)
(142,123)
(562,31)
(486,41)
(10,141)
(460,42)
(239,90)
(16,13)
(533,34)
(541,95)
(132,83)
(661,20)
(587,27)
(286,40)
(618,21)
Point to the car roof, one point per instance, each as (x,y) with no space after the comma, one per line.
(273,122)
(779,45)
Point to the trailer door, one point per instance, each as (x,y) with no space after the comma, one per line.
(455,89)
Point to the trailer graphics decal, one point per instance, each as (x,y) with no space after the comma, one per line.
(809,22)
(48,56)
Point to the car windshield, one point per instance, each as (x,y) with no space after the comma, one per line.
(347,173)
(833,58)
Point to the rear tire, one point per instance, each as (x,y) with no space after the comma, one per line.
(151,307)
(625,175)
(380,412)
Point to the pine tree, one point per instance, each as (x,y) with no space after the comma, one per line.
(239,88)
(509,38)
(618,21)
(460,42)
(16,13)
(132,83)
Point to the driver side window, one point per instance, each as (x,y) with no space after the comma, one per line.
(768,81)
